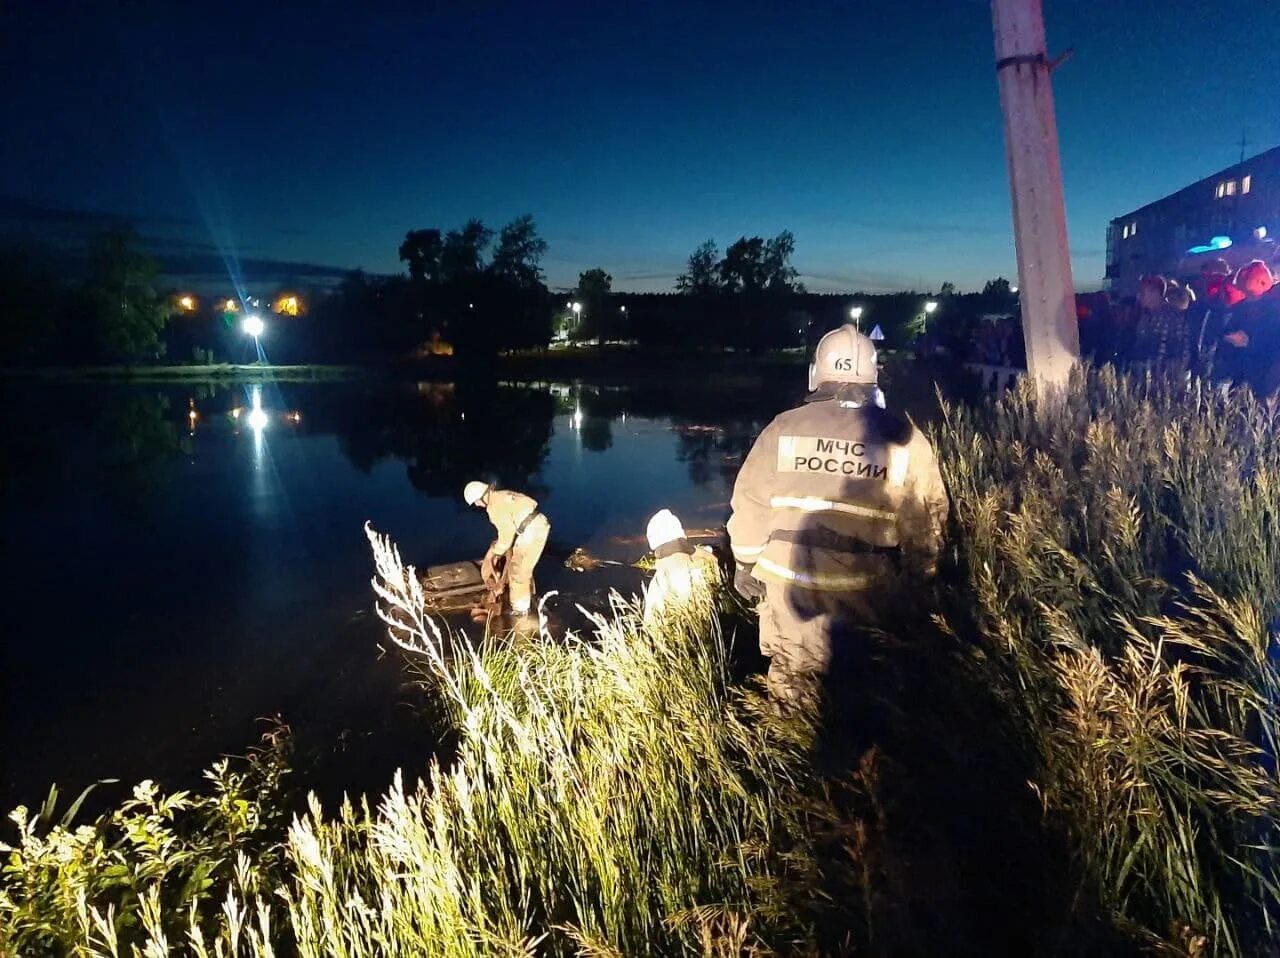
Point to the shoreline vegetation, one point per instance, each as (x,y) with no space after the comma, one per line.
(1063,745)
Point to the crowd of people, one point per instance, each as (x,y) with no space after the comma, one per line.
(1000,343)
(1224,326)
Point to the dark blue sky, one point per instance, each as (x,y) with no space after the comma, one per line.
(321,132)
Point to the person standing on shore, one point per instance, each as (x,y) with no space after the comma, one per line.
(834,500)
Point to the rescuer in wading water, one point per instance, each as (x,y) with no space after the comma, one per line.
(522,535)
(834,499)
(680,569)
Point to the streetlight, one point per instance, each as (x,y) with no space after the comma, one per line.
(253,325)
(855,314)
(930,306)
(577,309)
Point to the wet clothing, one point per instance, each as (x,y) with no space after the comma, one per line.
(832,499)
(522,535)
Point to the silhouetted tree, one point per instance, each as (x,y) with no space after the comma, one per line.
(519,252)
(464,250)
(947,289)
(998,296)
(701,274)
(421,252)
(755,265)
(127,313)
(598,320)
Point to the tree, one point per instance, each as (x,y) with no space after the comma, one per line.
(779,274)
(593,291)
(128,314)
(701,274)
(947,289)
(998,296)
(756,265)
(742,270)
(463,252)
(518,254)
(421,251)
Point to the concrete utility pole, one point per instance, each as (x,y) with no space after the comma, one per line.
(1035,180)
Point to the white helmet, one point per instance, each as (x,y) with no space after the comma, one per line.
(474,491)
(664,527)
(844,355)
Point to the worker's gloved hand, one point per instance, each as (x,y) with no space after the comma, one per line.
(747,585)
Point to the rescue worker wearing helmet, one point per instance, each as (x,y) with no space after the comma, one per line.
(522,535)
(833,499)
(680,570)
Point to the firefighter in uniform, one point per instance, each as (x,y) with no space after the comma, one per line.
(522,535)
(834,499)
(680,570)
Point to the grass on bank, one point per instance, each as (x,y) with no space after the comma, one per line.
(1114,579)
(1120,553)
(610,795)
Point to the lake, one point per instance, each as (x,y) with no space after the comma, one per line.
(181,561)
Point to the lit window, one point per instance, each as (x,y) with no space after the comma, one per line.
(1221,191)
(1260,233)
(1124,233)
(1231,187)
(1133,228)
(1246,183)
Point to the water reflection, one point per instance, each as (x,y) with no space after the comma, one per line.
(447,434)
(223,573)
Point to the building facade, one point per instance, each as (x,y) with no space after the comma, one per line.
(1234,214)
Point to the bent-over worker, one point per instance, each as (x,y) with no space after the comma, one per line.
(679,568)
(522,535)
(833,499)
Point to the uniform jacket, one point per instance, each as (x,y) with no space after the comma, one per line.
(507,510)
(831,494)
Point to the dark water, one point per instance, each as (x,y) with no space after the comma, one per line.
(168,581)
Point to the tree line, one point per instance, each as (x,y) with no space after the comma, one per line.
(113,314)
(469,291)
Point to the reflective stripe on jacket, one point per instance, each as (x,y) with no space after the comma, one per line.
(829,492)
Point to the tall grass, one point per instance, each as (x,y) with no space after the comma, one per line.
(1122,553)
(610,794)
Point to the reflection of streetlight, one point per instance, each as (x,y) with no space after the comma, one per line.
(253,325)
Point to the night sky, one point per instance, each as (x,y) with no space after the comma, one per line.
(320,132)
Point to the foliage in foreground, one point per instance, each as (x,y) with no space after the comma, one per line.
(611,795)
(1122,549)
